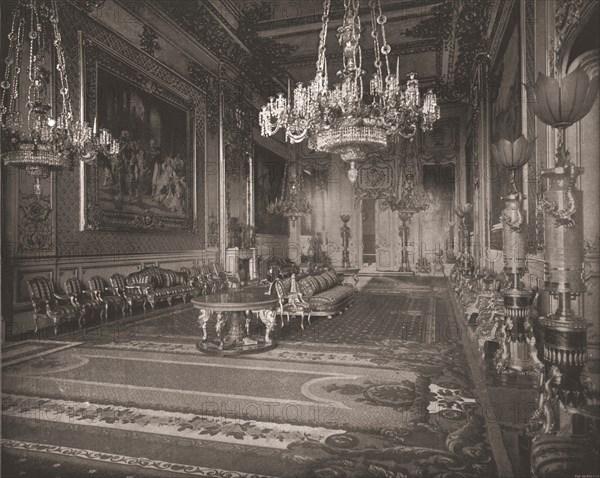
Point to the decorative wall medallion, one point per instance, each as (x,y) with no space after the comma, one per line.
(149,40)
(35,223)
(375,180)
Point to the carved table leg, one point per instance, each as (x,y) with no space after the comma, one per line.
(234,335)
(221,321)
(268,318)
(202,321)
(248,317)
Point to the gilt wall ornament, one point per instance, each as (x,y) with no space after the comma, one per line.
(205,24)
(35,223)
(375,180)
(149,41)
(209,83)
(472,20)
(567,17)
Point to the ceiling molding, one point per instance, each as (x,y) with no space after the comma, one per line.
(391,10)
(315,27)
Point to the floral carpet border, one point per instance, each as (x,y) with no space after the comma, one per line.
(146,463)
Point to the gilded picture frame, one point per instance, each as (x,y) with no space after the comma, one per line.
(150,184)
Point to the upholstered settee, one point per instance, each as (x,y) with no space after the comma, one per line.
(163,284)
(324,292)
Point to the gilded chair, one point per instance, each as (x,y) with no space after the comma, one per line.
(291,301)
(226,279)
(47,304)
(211,284)
(218,276)
(81,298)
(131,293)
(194,274)
(107,295)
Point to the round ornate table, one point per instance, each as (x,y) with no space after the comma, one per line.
(235,307)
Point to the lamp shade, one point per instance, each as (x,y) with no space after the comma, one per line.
(463,210)
(512,155)
(560,104)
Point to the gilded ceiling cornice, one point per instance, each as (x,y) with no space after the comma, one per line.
(337,13)
(240,49)
(460,25)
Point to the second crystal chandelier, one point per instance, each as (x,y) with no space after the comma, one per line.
(338,120)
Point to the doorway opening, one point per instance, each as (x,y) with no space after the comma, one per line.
(369,252)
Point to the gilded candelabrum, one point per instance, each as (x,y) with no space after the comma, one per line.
(563,394)
(345,236)
(466,263)
(564,332)
(517,351)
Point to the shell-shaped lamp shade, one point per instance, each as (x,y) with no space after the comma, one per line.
(463,210)
(512,155)
(560,104)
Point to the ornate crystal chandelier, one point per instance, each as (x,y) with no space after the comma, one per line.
(45,141)
(292,203)
(338,120)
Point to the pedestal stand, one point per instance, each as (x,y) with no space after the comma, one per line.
(405,219)
(518,351)
(466,263)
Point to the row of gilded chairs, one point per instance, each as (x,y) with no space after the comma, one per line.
(76,304)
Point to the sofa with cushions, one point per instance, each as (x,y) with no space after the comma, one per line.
(325,292)
(163,284)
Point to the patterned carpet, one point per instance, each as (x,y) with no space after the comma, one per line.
(378,391)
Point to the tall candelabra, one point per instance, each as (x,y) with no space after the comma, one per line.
(345,236)
(405,217)
(518,352)
(466,263)
(409,200)
(563,394)
(564,332)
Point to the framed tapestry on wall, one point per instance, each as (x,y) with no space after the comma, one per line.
(269,170)
(150,184)
(505,97)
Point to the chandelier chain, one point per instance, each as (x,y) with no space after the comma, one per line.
(335,119)
(67,112)
(10,61)
(321,62)
(378,78)
(385,49)
(50,140)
